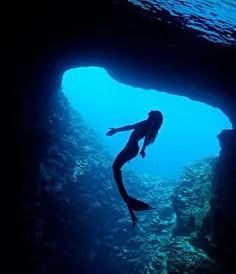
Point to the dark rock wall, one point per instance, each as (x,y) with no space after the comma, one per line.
(71,174)
(220,225)
(204,202)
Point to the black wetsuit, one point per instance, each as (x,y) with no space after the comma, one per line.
(129,152)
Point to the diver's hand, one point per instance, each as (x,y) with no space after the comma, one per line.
(142,153)
(111,131)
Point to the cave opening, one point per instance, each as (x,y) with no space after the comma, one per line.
(189,131)
(77,173)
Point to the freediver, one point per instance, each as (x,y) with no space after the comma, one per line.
(147,129)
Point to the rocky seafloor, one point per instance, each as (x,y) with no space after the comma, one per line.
(83,226)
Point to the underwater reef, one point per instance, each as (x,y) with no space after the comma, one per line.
(81,223)
(191,199)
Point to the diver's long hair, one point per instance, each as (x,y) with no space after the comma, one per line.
(156,122)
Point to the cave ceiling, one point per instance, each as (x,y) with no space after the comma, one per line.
(181,47)
(213,20)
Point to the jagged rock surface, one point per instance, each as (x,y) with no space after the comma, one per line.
(218,231)
(192,196)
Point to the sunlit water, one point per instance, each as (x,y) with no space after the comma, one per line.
(213,19)
(189,131)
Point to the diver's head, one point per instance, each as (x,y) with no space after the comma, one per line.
(155,118)
(155,115)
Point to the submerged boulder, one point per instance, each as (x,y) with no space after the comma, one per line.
(184,258)
(192,196)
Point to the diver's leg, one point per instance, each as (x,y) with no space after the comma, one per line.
(133,204)
(124,156)
(118,178)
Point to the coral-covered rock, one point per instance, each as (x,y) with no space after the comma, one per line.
(218,233)
(184,258)
(191,197)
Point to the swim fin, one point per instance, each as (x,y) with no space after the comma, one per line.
(136,205)
(133,217)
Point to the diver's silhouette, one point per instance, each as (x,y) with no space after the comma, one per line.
(147,129)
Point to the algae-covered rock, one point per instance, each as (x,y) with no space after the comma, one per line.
(184,258)
(192,196)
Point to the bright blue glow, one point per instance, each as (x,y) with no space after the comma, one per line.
(189,131)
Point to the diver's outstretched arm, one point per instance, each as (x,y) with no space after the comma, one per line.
(125,128)
(115,130)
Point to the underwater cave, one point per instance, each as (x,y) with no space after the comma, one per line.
(62,211)
(189,131)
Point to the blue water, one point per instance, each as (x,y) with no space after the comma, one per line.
(214,20)
(189,131)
